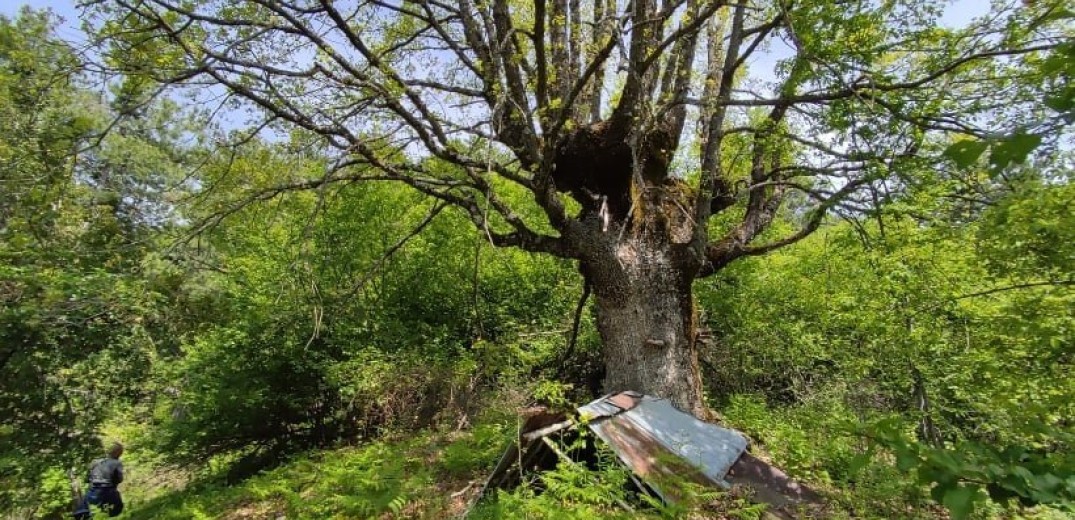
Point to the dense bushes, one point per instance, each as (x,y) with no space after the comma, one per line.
(79,326)
(326,340)
(920,346)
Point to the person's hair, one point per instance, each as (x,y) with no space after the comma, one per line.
(115,450)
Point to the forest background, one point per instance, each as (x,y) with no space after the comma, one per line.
(361,350)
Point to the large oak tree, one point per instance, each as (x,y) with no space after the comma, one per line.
(655,140)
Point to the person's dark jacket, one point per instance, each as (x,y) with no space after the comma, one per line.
(106,472)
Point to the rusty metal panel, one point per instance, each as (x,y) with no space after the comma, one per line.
(655,439)
(770,484)
(647,458)
(662,446)
(598,410)
(609,405)
(625,400)
(706,446)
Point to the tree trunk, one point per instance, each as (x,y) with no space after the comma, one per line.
(647,325)
(639,254)
(641,280)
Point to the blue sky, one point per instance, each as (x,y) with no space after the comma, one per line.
(64,8)
(958,13)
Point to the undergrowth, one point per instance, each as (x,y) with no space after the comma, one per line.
(416,477)
(438,473)
(431,474)
(822,443)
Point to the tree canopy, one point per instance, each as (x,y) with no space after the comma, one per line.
(593,98)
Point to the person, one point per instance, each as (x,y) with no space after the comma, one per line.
(103,478)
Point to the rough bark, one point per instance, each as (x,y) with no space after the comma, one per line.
(646,318)
(639,258)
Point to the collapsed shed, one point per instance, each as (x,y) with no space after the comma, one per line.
(658,443)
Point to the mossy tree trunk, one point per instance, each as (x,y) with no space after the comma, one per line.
(638,252)
(646,318)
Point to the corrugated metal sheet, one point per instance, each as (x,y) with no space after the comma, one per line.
(656,440)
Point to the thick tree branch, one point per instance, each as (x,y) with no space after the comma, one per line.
(713,186)
(737,243)
(868,90)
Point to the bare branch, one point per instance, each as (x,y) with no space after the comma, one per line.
(713,186)
(736,244)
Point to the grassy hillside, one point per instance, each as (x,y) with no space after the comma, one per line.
(429,475)
(437,474)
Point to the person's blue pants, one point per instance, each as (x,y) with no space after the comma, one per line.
(107,498)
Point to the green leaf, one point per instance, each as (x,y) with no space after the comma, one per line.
(939,491)
(965,153)
(906,459)
(859,461)
(1060,14)
(960,501)
(1059,60)
(1013,150)
(1063,101)
(1057,15)
(1060,103)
